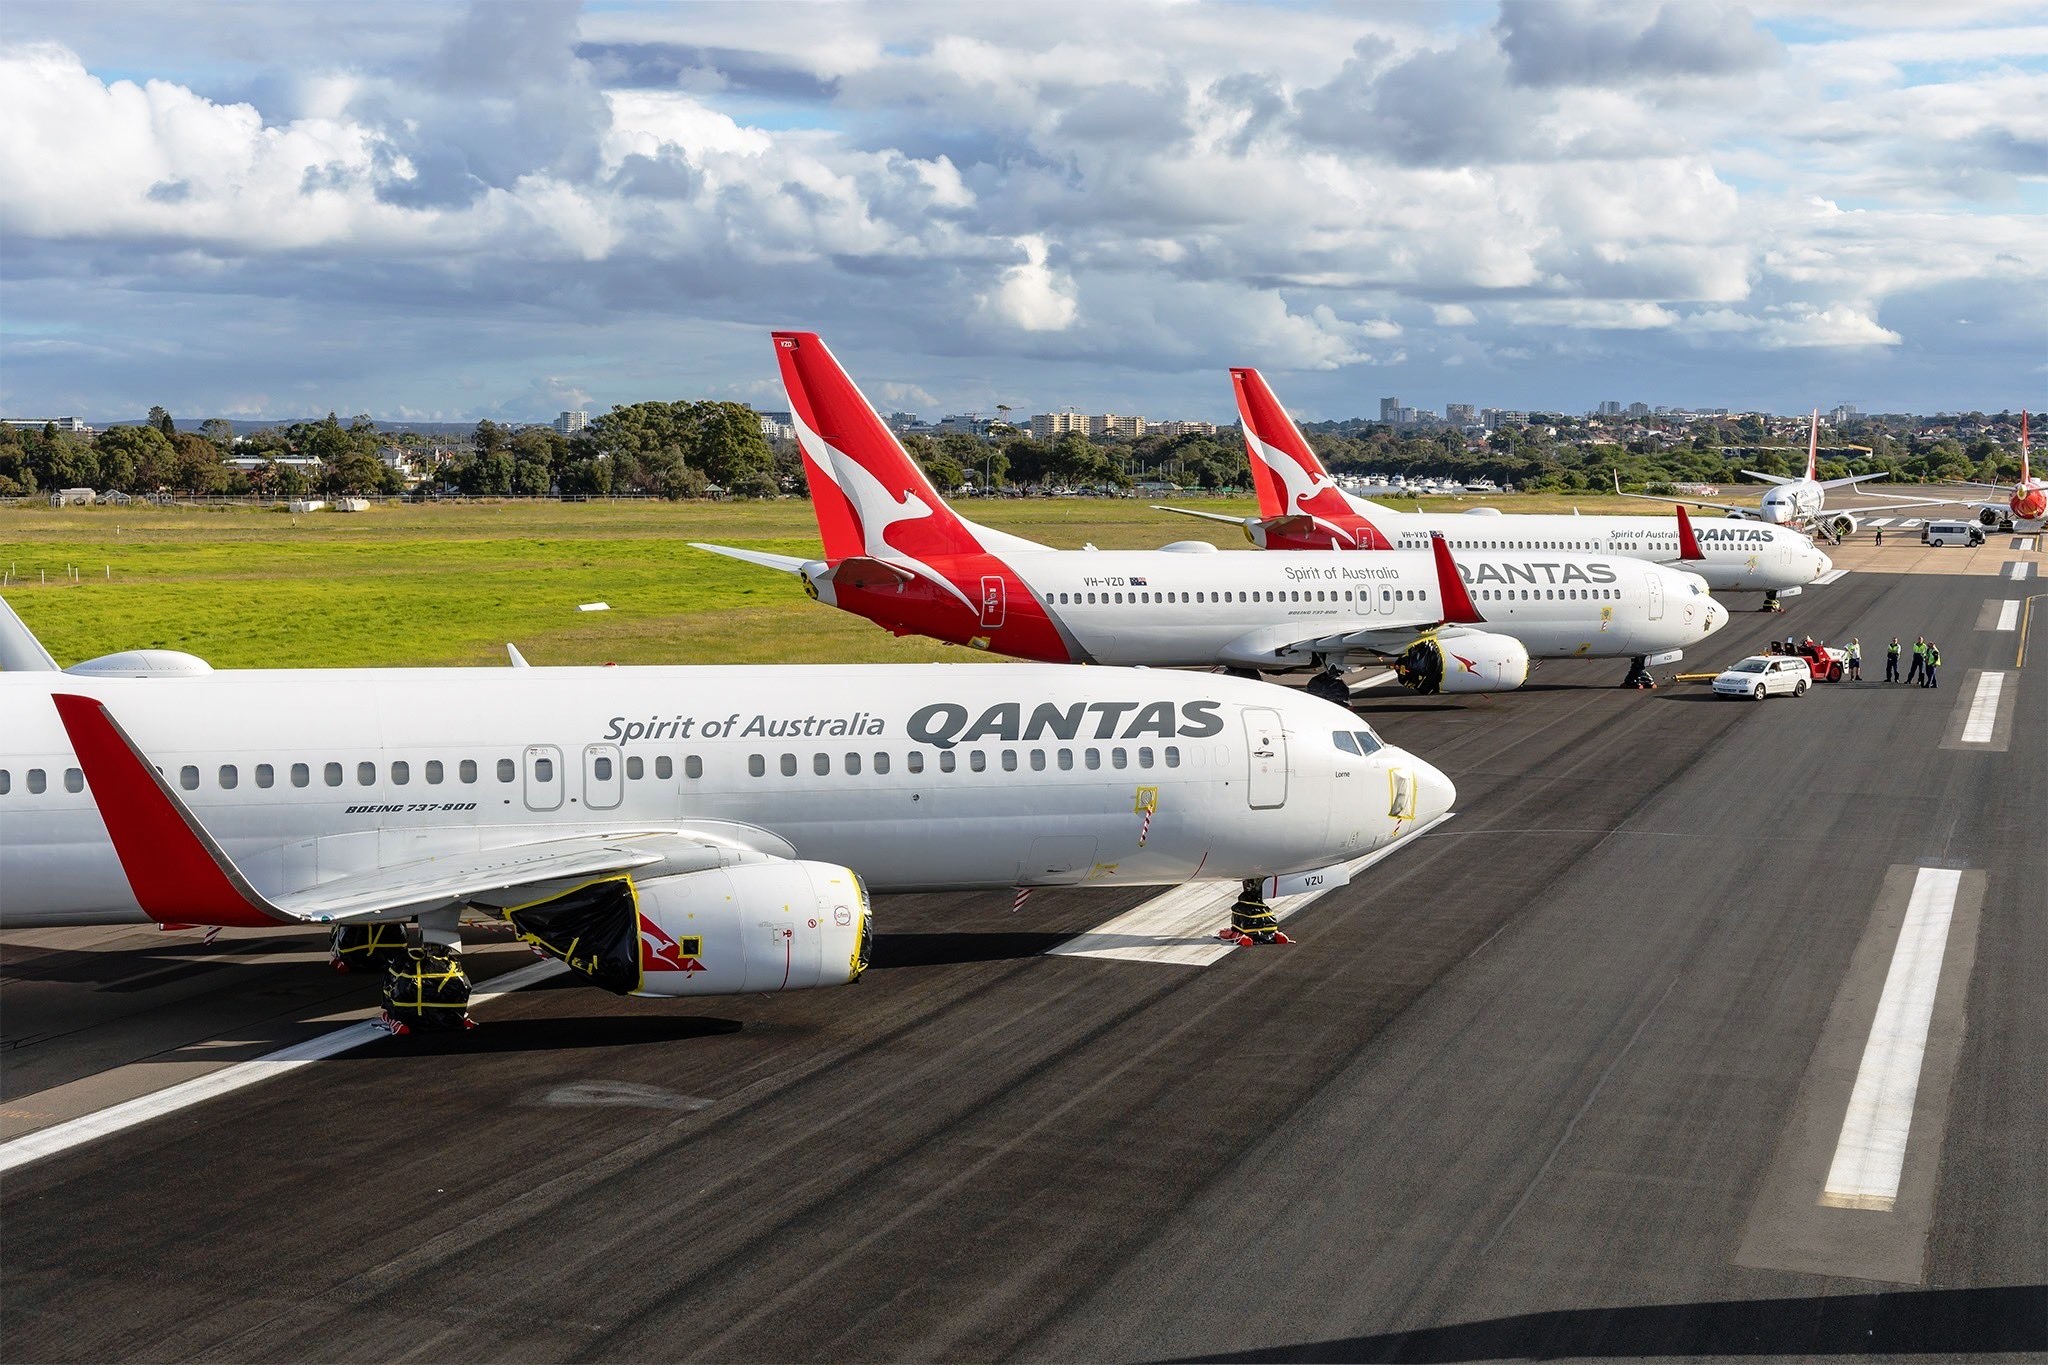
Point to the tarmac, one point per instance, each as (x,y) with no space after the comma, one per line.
(1706,1028)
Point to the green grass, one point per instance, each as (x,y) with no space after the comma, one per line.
(407,585)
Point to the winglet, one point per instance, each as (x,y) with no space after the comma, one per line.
(20,650)
(174,867)
(1688,543)
(1458,608)
(514,657)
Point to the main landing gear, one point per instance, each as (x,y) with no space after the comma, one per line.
(1639,674)
(1329,685)
(1771,602)
(426,988)
(1251,919)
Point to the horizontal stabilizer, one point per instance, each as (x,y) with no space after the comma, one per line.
(1223,517)
(785,563)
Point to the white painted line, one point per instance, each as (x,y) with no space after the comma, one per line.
(2024,543)
(85,1128)
(1983,717)
(2018,569)
(1829,577)
(1871,1152)
(1912,521)
(1384,676)
(2008,615)
(1882,521)
(1179,927)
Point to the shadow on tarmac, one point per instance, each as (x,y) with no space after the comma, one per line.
(553,1034)
(938,950)
(1932,1322)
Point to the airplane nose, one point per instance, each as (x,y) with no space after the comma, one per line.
(1717,617)
(1434,794)
(1824,564)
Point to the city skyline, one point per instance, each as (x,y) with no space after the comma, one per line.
(442,213)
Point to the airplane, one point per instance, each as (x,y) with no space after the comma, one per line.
(898,555)
(664,831)
(2026,504)
(1302,508)
(1802,502)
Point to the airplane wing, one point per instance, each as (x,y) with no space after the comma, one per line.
(179,873)
(1860,508)
(20,650)
(1748,511)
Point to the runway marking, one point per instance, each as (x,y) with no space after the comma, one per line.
(1178,927)
(1829,577)
(2008,615)
(1983,715)
(2019,568)
(2023,543)
(1911,521)
(1883,521)
(90,1127)
(1871,1152)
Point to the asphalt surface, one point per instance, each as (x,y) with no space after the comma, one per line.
(1546,1084)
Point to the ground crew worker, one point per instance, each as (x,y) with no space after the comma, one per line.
(1855,660)
(1880,536)
(1933,662)
(1919,667)
(1891,661)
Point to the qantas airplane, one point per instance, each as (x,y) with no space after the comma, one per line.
(2026,504)
(666,831)
(1802,502)
(896,554)
(1301,508)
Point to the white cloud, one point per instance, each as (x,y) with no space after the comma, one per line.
(1031,297)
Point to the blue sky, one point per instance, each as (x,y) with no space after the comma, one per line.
(445,211)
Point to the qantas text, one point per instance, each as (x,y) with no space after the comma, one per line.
(945,723)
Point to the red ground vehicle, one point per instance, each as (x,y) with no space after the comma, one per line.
(1826,663)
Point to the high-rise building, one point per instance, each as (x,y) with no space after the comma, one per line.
(569,423)
(1610,408)
(1639,409)
(1390,409)
(1184,428)
(1047,425)
(1112,424)
(1460,414)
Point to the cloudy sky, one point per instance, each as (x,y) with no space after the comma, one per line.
(504,209)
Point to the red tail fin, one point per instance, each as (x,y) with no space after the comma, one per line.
(1458,608)
(1688,543)
(869,495)
(1290,478)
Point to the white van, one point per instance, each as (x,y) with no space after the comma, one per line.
(1940,533)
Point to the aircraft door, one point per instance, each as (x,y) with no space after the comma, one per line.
(603,779)
(1656,587)
(994,601)
(1266,748)
(543,777)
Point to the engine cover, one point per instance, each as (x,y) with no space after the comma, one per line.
(1842,524)
(773,926)
(1474,661)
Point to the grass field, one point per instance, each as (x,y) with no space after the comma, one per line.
(452,583)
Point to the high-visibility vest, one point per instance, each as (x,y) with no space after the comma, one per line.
(1933,655)
(1892,650)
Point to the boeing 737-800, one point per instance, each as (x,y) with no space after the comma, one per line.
(896,554)
(666,831)
(1302,508)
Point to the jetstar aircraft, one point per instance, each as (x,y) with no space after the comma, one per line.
(2026,504)
(896,554)
(1802,502)
(1302,508)
(666,831)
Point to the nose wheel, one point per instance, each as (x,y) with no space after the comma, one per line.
(1251,919)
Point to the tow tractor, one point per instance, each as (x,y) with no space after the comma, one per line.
(1825,662)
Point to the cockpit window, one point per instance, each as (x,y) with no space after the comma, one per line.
(1368,742)
(1345,742)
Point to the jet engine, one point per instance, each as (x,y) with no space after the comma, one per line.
(1842,524)
(1475,661)
(773,926)
(1988,517)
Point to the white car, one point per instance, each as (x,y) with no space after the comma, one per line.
(1760,675)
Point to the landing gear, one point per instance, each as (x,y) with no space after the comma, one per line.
(1639,674)
(1329,685)
(427,988)
(366,947)
(1251,919)
(1771,602)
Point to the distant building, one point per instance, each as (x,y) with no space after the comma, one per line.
(1844,412)
(1461,414)
(1390,409)
(1639,409)
(70,424)
(903,421)
(569,423)
(1047,425)
(1113,424)
(1184,428)
(1505,417)
(1610,408)
(776,426)
(963,424)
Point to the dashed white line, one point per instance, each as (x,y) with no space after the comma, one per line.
(85,1128)
(2019,568)
(2024,543)
(1882,521)
(1871,1151)
(2008,615)
(1983,717)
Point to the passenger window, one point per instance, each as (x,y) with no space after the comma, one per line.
(915,761)
(1009,760)
(1118,758)
(74,780)
(466,770)
(1066,760)
(434,772)
(600,768)
(946,760)
(401,772)
(636,768)
(978,761)
(38,783)
(789,765)
(301,774)
(6,782)
(881,764)
(1173,755)
(331,774)
(1145,756)
(693,766)
(821,764)
(1345,742)
(366,774)
(188,778)
(756,767)
(1038,760)
(229,778)
(265,775)
(507,770)
(1093,758)
(544,770)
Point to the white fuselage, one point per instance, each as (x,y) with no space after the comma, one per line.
(1740,554)
(1797,503)
(1170,607)
(914,776)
